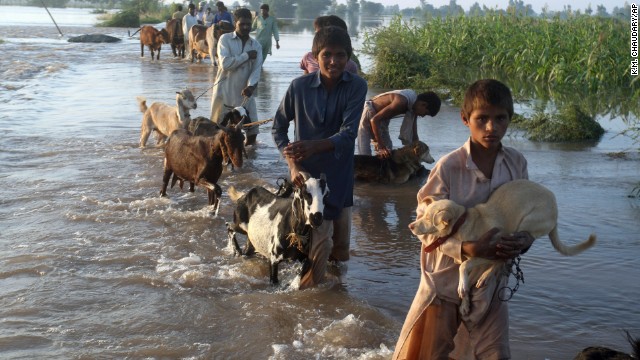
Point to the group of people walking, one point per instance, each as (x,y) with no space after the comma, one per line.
(328,107)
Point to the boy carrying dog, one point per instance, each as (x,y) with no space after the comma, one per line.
(434,328)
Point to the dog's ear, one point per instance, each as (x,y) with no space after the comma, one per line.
(442,219)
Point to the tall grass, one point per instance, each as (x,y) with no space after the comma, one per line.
(580,51)
(545,60)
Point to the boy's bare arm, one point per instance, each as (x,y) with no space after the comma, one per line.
(507,247)
(300,150)
(397,106)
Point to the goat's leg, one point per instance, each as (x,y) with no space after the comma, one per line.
(165,181)
(273,273)
(233,241)
(249,249)
(141,49)
(144,134)
(158,56)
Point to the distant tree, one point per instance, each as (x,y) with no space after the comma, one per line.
(370,8)
(281,8)
(250,4)
(622,12)
(588,10)
(601,11)
(310,8)
(453,9)
(475,9)
(49,3)
(392,10)
(353,6)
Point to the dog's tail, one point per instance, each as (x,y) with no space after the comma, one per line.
(570,250)
(142,102)
(234,194)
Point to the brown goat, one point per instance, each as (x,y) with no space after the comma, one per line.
(153,38)
(198,159)
(176,37)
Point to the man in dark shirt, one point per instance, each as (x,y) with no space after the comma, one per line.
(325,107)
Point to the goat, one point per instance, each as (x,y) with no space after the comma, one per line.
(164,118)
(205,127)
(198,159)
(278,227)
(176,37)
(153,38)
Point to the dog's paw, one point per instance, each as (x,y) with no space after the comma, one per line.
(462,291)
(465,306)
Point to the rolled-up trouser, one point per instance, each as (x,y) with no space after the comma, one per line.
(365,133)
(331,240)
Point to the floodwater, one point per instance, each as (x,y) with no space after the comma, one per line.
(94,264)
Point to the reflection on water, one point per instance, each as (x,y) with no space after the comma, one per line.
(95,264)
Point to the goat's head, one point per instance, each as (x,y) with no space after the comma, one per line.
(235,115)
(310,198)
(165,36)
(233,143)
(186,100)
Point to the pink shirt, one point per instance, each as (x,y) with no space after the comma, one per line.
(310,64)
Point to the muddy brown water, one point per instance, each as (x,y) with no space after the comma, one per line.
(94,264)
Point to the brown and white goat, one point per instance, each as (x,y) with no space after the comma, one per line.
(153,38)
(198,159)
(164,118)
(277,227)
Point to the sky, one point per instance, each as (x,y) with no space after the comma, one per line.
(553,5)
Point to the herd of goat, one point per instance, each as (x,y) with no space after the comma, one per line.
(202,39)
(197,151)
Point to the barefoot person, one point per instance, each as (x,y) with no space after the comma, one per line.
(378,112)
(434,328)
(324,107)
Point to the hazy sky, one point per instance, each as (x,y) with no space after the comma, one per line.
(537,5)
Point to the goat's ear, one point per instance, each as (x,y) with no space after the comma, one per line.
(323,176)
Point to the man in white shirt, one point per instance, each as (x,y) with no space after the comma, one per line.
(187,22)
(239,66)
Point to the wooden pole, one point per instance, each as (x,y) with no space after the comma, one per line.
(54,21)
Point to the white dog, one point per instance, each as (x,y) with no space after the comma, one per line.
(164,118)
(519,205)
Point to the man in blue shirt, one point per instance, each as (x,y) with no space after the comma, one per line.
(222,14)
(325,108)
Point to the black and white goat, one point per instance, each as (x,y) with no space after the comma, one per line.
(278,228)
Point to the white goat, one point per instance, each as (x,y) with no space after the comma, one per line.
(164,118)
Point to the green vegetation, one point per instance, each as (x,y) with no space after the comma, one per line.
(567,124)
(572,65)
(136,12)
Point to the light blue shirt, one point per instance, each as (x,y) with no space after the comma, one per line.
(320,115)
